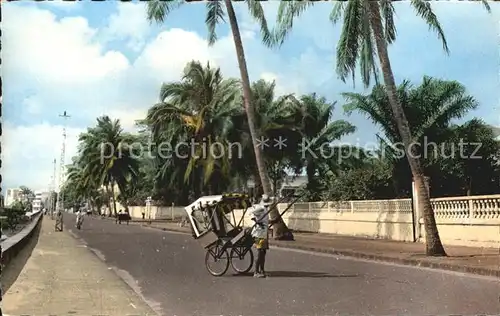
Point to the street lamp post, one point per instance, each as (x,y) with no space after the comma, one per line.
(111,201)
(148,208)
(60,196)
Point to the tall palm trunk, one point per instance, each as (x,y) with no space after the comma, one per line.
(312,183)
(257,190)
(281,231)
(108,202)
(434,247)
(113,195)
(469,186)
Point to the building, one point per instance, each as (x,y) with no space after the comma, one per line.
(288,187)
(496,132)
(12,195)
(37,202)
(40,201)
(291,184)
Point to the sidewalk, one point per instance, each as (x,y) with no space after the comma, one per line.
(62,277)
(483,261)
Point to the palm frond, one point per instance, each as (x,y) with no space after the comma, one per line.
(424,10)
(215,15)
(348,46)
(287,12)
(158,10)
(257,12)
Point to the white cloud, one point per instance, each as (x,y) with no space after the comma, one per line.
(29,151)
(33,105)
(63,5)
(129,24)
(278,80)
(269,76)
(63,65)
(54,52)
(128,117)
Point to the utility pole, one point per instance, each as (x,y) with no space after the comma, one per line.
(60,197)
(52,190)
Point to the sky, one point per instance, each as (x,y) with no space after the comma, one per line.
(95,58)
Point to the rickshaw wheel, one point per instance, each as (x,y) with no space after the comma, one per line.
(239,254)
(214,255)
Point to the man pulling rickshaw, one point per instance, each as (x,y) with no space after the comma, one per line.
(260,233)
(225,238)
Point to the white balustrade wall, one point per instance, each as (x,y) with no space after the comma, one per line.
(158,212)
(467,220)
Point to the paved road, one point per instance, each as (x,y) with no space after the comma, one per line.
(168,268)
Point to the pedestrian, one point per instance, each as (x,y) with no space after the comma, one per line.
(59,221)
(260,233)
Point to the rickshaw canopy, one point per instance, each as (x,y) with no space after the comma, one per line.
(200,211)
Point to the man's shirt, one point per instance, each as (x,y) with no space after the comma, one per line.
(260,213)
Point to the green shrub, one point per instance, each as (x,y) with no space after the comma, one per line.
(13,217)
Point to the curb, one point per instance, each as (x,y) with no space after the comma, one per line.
(403,261)
(373,257)
(17,242)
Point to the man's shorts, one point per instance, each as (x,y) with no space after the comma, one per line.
(261,243)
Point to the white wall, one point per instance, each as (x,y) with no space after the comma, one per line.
(467,221)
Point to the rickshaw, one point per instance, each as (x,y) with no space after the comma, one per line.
(223,236)
(227,242)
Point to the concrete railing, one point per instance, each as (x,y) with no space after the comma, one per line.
(466,220)
(470,207)
(31,215)
(158,212)
(14,244)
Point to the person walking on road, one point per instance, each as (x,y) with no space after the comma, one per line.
(260,233)
(79,218)
(59,221)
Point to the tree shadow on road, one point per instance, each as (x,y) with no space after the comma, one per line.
(308,274)
(16,265)
(303,274)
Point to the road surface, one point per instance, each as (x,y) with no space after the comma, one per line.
(168,270)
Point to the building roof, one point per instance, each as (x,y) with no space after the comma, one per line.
(294,181)
(496,131)
(289,181)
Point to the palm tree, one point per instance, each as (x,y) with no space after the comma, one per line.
(275,118)
(199,107)
(468,174)
(108,157)
(158,10)
(367,31)
(82,186)
(27,195)
(430,108)
(318,129)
